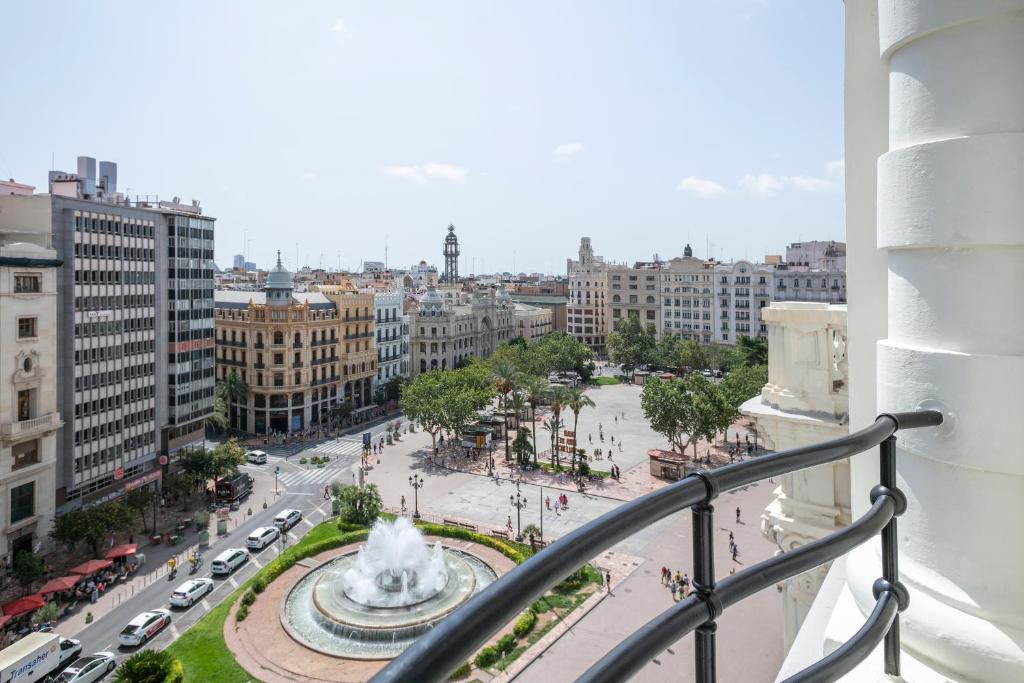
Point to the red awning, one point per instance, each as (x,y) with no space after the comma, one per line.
(29,603)
(64,583)
(91,567)
(4,619)
(121,551)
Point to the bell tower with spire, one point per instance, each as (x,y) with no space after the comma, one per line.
(451,256)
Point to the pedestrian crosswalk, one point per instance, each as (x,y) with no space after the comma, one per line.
(316,475)
(339,447)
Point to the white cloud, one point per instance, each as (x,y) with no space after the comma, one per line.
(341,28)
(569,149)
(308,176)
(445,172)
(701,187)
(763,185)
(808,183)
(836,169)
(430,172)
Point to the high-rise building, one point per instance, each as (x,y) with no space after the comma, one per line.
(586,314)
(117,350)
(29,414)
(238,262)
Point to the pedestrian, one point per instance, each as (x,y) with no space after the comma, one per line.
(556,507)
(731,539)
(732,571)
(735,551)
(590,438)
(737,515)
(547,502)
(686,583)
(327,491)
(608,581)
(616,419)
(673,587)
(678,578)
(664,573)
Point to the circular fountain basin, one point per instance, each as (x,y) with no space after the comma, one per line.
(320,611)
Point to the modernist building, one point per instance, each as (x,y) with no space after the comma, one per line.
(117,353)
(284,345)
(635,292)
(29,414)
(531,322)
(444,335)
(587,316)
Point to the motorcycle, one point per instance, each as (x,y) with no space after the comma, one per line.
(195,564)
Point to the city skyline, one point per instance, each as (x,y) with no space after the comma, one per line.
(388,128)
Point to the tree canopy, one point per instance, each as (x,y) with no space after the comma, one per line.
(632,344)
(447,399)
(685,410)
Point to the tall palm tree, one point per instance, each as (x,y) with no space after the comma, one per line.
(536,389)
(506,378)
(558,400)
(552,425)
(234,391)
(576,400)
(218,418)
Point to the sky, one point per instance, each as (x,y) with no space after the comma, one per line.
(331,129)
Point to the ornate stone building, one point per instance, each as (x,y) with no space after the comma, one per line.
(587,312)
(443,335)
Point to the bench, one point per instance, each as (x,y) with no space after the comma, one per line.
(461,525)
(500,534)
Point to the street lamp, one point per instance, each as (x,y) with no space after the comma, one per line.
(518,501)
(416,482)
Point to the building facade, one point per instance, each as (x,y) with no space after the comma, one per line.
(285,346)
(531,322)
(356,346)
(30,418)
(392,337)
(445,335)
(687,298)
(587,315)
(634,292)
(743,290)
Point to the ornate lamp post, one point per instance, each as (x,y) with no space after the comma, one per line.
(518,501)
(416,482)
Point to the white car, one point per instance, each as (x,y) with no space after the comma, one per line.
(286,519)
(188,593)
(88,669)
(143,627)
(228,561)
(261,537)
(256,457)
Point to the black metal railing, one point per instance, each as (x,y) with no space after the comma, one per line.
(433,656)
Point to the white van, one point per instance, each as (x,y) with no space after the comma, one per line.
(256,457)
(286,519)
(228,561)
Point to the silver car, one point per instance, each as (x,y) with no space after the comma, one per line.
(88,669)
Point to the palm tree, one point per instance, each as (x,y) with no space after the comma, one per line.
(558,400)
(234,391)
(576,401)
(506,378)
(552,425)
(218,418)
(536,389)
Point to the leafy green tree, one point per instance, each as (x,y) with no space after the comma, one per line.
(632,344)
(685,410)
(343,411)
(149,666)
(576,401)
(46,613)
(91,525)
(752,350)
(522,446)
(234,392)
(743,382)
(360,505)
(564,353)
(536,389)
(141,500)
(28,568)
(423,401)
(506,379)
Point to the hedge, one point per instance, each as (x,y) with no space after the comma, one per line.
(525,623)
(461,672)
(506,644)
(515,552)
(487,656)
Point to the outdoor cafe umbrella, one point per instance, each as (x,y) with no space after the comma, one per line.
(29,603)
(123,550)
(91,567)
(64,583)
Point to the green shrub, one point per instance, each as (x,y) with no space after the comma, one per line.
(574,581)
(349,526)
(461,672)
(149,666)
(584,468)
(248,598)
(28,568)
(487,656)
(518,553)
(48,612)
(303,461)
(259,584)
(506,643)
(525,624)
(242,613)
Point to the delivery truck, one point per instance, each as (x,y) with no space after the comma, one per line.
(36,656)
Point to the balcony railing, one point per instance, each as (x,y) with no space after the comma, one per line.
(25,428)
(435,655)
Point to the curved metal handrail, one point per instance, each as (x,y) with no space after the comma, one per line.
(633,653)
(433,656)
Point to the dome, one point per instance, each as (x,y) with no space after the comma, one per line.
(502,297)
(431,302)
(279,278)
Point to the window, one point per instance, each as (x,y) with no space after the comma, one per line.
(279,337)
(24,404)
(26,284)
(23,501)
(25,454)
(26,328)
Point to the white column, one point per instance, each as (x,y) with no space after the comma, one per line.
(951,217)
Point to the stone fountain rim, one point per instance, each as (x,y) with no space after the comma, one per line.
(282,617)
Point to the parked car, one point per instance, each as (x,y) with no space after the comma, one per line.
(88,669)
(262,536)
(256,457)
(191,591)
(228,561)
(143,627)
(286,519)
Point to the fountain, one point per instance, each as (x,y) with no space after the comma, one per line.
(372,603)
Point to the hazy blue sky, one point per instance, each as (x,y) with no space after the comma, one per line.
(527,124)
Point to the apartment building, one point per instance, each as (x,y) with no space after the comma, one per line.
(587,315)
(531,322)
(29,416)
(743,290)
(688,304)
(116,352)
(392,336)
(356,320)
